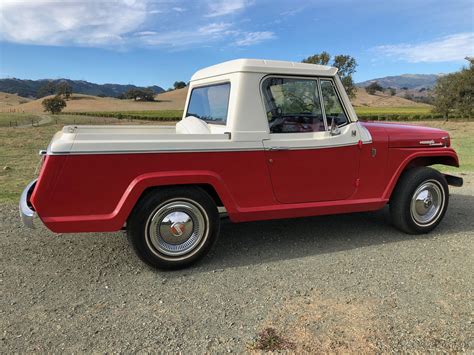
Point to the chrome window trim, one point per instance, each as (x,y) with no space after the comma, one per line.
(348,120)
(318,79)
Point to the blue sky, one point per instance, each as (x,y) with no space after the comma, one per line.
(159,41)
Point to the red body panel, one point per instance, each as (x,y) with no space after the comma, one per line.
(96,192)
(303,175)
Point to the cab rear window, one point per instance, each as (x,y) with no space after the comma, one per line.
(210,103)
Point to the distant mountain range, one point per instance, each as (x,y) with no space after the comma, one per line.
(29,88)
(409,81)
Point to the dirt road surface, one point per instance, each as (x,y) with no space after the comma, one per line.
(334,283)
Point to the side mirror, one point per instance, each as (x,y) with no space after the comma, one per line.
(334,131)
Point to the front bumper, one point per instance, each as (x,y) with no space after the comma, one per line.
(27,213)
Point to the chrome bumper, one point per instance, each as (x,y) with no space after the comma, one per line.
(26,213)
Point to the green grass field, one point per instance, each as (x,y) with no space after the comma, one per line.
(18,119)
(20,145)
(161,115)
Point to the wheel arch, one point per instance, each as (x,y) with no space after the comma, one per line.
(418,159)
(209,182)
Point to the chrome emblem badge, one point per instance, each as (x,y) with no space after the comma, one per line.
(177,229)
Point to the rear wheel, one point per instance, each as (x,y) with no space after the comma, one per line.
(174,227)
(419,201)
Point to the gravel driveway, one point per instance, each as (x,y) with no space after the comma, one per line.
(334,283)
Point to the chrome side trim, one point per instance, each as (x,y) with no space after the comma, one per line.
(431,143)
(27,214)
(157,151)
(178,151)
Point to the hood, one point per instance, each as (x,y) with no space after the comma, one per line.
(411,136)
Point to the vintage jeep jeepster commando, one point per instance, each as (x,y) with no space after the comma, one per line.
(259,139)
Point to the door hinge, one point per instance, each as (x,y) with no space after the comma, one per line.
(357,182)
(359,144)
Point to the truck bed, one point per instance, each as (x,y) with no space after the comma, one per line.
(110,139)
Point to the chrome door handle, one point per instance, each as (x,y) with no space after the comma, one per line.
(278,148)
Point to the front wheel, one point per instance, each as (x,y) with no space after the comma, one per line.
(419,201)
(174,227)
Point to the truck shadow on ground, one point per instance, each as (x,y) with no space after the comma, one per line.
(253,243)
(269,241)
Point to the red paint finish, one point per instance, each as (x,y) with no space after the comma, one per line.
(96,192)
(314,175)
(410,136)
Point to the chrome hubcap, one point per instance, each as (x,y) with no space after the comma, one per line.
(427,203)
(177,228)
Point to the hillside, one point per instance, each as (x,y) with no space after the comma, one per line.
(11,100)
(29,88)
(409,81)
(87,103)
(173,100)
(381,99)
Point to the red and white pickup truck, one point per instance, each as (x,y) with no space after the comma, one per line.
(259,139)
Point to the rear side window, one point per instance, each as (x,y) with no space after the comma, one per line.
(210,103)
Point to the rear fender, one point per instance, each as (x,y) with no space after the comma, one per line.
(151,180)
(116,219)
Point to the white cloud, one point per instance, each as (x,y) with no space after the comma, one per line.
(85,22)
(183,38)
(251,38)
(227,7)
(121,23)
(445,49)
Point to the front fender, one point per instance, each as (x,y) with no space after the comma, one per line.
(413,158)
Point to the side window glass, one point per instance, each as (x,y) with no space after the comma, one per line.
(332,105)
(292,105)
(210,103)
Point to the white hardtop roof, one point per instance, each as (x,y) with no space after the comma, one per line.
(265,67)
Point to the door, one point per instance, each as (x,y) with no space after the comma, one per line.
(307,161)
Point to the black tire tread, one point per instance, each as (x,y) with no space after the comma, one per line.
(148,202)
(401,198)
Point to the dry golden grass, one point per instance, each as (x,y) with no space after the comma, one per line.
(7,101)
(85,103)
(382,100)
(175,100)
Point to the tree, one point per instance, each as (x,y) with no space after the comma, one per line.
(54,104)
(64,89)
(323,59)
(392,91)
(140,94)
(373,87)
(179,85)
(345,64)
(47,89)
(455,92)
(409,96)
